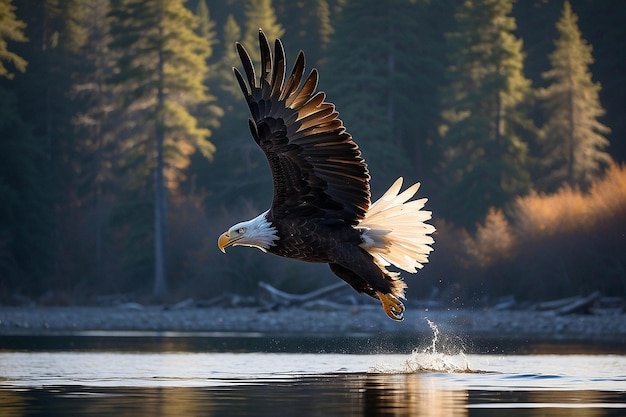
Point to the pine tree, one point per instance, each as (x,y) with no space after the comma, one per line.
(601,24)
(242,166)
(238,153)
(383,74)
(573,140)
(74,33)
(11,29)
(359,76)
(26,213)
(95,133)
(484,154)
(210,112)
(44,106)
(324,27)
(260,15)
(206,27)
(307,26)
(228,88)
(159,74)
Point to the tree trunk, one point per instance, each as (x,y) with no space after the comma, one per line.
(160,204)
(497,128)
(571,121)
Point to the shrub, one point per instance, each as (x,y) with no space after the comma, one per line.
(550,246)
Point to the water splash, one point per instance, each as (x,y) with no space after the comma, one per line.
(429,359)
(435,330)
(436,362)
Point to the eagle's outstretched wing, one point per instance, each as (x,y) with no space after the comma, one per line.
(316,167)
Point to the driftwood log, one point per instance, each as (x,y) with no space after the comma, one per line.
(571,305)
(283,299)
(274,299)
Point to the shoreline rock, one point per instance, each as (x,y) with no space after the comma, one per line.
(499,324)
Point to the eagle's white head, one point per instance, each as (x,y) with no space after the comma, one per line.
(257,233)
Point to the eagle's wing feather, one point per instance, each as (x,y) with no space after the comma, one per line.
(316,167)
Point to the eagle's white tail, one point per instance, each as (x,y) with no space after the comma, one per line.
(395,230)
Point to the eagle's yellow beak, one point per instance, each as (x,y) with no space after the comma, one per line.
(227,239)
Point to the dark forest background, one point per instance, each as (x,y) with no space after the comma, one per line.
(125,151)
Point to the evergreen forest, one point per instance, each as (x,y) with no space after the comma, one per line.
(125,149)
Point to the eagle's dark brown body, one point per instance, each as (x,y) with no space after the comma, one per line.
(333,242)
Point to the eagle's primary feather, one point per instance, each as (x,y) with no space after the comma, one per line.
(321,210)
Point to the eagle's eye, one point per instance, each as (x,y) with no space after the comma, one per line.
(241,230)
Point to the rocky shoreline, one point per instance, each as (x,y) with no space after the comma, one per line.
(506,324)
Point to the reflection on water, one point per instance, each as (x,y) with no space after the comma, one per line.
(410,395)
(332,395)
(98,380)
(323,395)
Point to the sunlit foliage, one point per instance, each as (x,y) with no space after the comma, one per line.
(11,29)
(551,245)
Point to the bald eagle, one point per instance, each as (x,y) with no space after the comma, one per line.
(321,210)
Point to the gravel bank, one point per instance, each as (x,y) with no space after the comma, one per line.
(510,324)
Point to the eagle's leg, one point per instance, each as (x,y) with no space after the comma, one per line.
(392,306)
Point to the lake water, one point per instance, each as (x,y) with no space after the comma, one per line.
(174,374)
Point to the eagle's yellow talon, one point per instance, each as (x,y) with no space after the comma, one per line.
(392,306)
